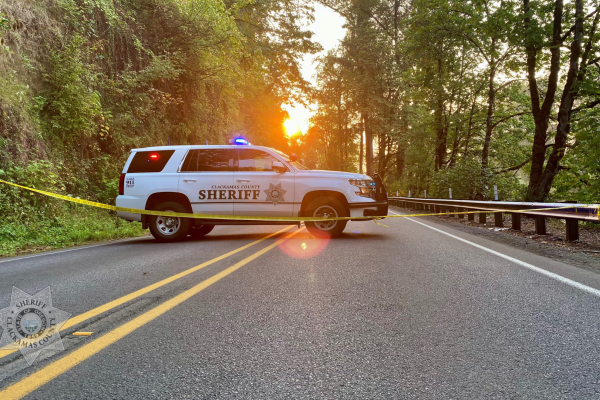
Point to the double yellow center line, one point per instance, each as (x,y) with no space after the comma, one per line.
(58,367)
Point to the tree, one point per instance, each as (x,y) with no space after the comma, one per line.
(540,37)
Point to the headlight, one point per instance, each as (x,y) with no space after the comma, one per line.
(365,186)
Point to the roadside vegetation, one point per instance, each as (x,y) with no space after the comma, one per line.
(83,82)
(73,226)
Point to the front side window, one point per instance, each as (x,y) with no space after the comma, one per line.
(208,160)
(296,164)
(255,160)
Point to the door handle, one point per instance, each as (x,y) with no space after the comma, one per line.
(244,180)
(189,180)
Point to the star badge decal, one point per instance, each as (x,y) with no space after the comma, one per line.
(275,193)
(31,324)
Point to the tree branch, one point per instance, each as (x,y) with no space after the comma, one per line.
(585,107)
(568,33)
(507,118)
(516,167)
(508,83)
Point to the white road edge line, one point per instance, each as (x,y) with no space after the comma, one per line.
(542,271)
(49,253)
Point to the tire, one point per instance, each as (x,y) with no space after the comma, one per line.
(198,232)
(169,229)
(321,207)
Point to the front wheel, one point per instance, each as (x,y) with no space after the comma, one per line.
(324,207)
(169,229)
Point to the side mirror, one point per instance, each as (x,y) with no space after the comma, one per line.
(293,157)
(278,166)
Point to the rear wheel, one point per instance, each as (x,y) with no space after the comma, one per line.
(200,231)
(326,207)
(165,228)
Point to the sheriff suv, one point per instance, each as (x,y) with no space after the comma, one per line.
(238,181)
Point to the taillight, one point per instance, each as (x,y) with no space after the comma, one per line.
(122,184)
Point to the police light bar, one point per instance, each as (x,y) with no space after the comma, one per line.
(239,141)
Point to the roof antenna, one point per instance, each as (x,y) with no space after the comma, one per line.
(207,142)
(168,140)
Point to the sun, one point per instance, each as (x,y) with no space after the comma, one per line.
(291,127)
(297,121)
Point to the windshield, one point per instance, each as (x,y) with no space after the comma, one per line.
(296,164)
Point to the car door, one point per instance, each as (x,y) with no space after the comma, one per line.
(206,178)
(262,190)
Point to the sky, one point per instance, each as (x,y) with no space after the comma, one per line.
(328,31)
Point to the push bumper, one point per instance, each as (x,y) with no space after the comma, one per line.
(370,209)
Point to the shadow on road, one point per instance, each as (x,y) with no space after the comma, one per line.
(212,237)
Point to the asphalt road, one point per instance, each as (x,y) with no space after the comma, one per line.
(412,310)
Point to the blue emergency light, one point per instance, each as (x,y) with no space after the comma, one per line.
(239,141)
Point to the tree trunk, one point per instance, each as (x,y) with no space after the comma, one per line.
(489,122)
(564,111)
(362,145)
(368,144)
(541,113)
(381,154)
(442,134)
(399,162)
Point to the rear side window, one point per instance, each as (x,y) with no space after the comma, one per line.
(208,160)
(255,160)
(150,161)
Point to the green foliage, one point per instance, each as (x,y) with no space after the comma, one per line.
(4,22)
(444,84)
(96,78)
(17,205)
(579,179)
(467,183)
(70,106)
(71,227)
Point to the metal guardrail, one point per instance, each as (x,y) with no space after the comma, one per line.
(572,216)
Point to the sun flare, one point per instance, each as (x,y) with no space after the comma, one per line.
(298,119)
(293,126)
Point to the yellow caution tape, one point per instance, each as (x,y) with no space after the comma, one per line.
(258,218)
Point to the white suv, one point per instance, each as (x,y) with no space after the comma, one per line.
(240,181)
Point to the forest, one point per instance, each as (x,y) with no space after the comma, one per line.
(465,95)
(430,94)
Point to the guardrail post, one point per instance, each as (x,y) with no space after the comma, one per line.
(498,220)
(516,221)
(540,225)
(482,218)
(450,209)
(461,216)
(471,217)
(572,229)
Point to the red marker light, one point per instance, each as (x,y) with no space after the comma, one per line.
(154,156)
